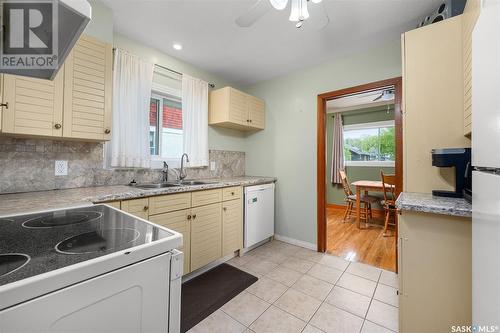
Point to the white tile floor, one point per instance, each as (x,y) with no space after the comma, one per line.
(300,290)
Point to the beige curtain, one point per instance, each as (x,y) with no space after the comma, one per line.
(337,149)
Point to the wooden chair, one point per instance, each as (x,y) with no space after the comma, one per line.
(350,198)
(389,202)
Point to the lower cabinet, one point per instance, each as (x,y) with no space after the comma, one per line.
(179,221)
(206,235)
(435,272)
(210,221)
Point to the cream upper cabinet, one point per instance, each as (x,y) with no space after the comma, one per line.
(235,109)
(470,15)
(33,106)
(88,90)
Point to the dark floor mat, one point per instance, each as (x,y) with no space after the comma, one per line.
(206,293)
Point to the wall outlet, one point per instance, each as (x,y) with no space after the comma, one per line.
(61,168)
(212,165)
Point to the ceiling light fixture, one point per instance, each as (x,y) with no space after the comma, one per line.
(177,46)
(298,11)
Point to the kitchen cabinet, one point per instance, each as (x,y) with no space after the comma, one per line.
(435,272)
(33,106)
(433,102)
(114,204)
(77,104)
(137,207)
(470,16)
(179,221)
(231,108)
(206,235)
(88,90)
(232,226)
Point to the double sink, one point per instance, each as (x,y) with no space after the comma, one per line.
(173,184)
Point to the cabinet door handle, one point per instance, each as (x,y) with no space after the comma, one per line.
(189,217)
(145,208)
(194,216)
(232,193)
(6,105)
(107,131)
(57,126)
(224,209)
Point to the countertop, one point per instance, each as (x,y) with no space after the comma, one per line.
(27,202)
(427,203)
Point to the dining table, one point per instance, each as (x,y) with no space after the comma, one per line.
(366,186)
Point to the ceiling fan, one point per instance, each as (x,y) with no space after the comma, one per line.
(385,95)
(299,12)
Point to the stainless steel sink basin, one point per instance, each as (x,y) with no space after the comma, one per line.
(156,185)
(194,182)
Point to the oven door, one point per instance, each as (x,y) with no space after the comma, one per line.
(131,299)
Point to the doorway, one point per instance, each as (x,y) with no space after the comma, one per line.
(369,120)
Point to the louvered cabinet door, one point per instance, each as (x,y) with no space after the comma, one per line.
(179,221)
(206,235)
(35,106)
(256,113)
(88,90)
(232,226)
(238,107)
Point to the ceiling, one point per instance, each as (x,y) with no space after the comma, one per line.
(272,46)
(357,101)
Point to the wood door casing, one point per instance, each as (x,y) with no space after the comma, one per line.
(35,105)
(178,221)
(232,226)
(206,235)
(88,90)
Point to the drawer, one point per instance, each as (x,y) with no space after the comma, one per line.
(207,197)
(137,207)
(115,204)
(230,193)
(169,203)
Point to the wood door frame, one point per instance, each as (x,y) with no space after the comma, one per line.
(321,145)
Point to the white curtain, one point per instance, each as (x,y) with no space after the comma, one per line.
(132,80)
(195,120)
(337,149)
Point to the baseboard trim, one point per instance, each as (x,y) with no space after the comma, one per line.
(293,241)
(376,212)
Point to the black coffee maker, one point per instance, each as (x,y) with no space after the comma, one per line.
(460,158)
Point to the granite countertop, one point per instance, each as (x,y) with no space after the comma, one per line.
(27,202)
(427,203)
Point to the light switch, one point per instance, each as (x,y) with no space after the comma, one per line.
(61,168)
(212,165)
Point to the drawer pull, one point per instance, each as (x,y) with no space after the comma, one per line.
(225,208)
(6,104)
(145,208)
(194,216)
(232,193)
(107,131)
(189,217)
(57,126)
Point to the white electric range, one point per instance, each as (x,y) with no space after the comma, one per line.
(90,269)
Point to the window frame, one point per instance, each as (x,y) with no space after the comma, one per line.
(160,92)
(370,125)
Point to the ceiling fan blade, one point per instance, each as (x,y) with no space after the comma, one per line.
(259,9)
(376,99)
(318,17)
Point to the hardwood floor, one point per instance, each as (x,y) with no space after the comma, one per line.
(368,246)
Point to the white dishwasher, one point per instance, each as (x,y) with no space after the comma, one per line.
(259,213)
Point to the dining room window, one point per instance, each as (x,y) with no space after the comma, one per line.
(370,144)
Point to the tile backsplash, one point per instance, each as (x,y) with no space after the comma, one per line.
(28,165)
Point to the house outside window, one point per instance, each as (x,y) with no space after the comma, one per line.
(165,128)
(370,144)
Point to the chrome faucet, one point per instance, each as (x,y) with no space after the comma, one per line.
(182,172)
(165,172)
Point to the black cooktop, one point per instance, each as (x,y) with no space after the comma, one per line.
(38,243)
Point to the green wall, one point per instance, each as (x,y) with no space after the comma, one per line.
(287,147)
(335,192)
